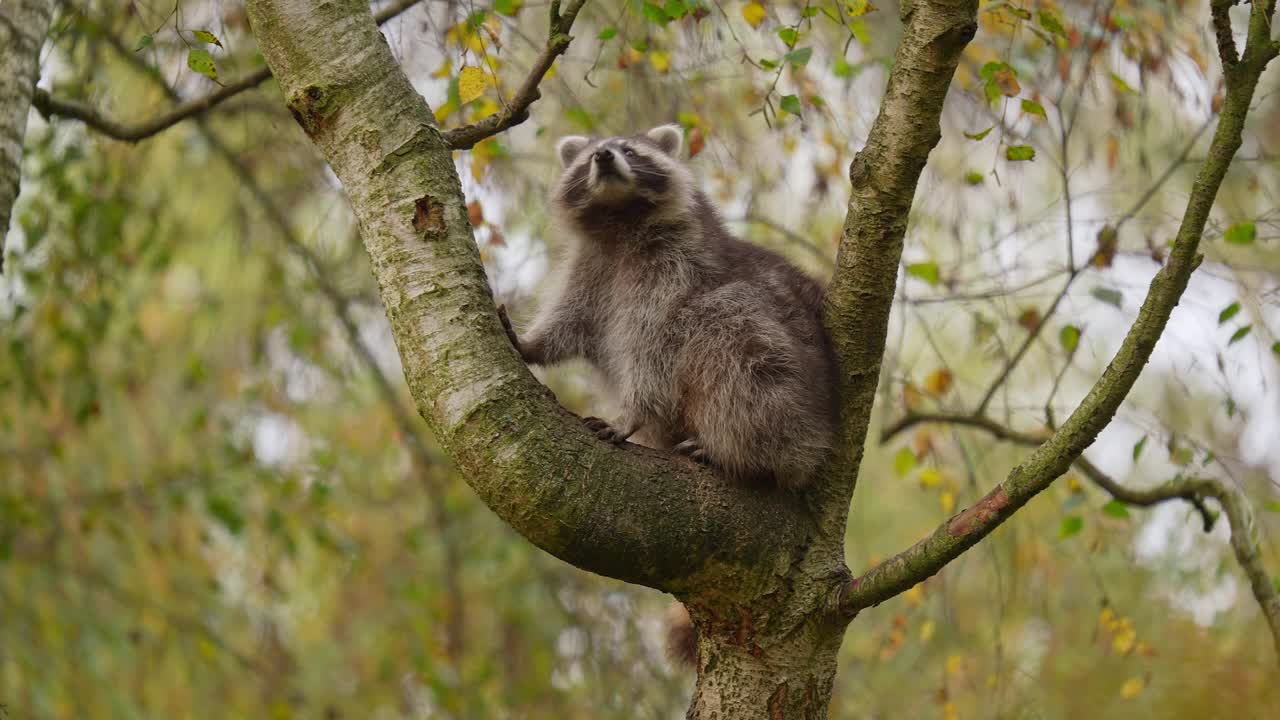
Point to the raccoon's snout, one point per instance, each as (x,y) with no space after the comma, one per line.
(604,156)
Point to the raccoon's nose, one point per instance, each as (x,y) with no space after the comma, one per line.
(604,157)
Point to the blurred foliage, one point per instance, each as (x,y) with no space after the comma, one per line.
(208,508)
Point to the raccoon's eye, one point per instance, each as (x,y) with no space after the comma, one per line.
(629,152)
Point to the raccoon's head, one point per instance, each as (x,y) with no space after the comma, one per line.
(624,178)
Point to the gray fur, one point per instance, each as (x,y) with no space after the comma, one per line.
(714,347)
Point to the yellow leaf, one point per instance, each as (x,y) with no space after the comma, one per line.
(954,664)
(445,110)
(1124,641)
(930,477)
(1106,617)
(1073,484)
(661,61)
(753,13)
(949,711)
(938,382)
(1132,688)
(915,594)
(484,107)
(472,82)
(445,70)
(927,629)
(948,501)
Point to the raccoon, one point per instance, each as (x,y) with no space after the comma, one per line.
(714,347)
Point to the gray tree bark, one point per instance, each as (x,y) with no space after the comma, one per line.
(23,26)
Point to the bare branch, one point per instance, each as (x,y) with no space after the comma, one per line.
(50,106)
(1194,490)
(1052,458)
(517,110)
(1091,471)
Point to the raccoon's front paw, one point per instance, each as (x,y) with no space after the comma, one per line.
(692,449)
(604,430)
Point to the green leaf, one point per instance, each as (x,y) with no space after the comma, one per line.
(1071,525)
(989,70)
(655,14)
(791,104)
(207,37)
(1108,296)
(608,33)
(1240,334)
(799,56)
(675,9)
(980,135)
(1137,448)
(1271,506)
(768,64)
(1228,312)
(582,118)
(225,512)
(788,35)
(201,61)
(1049,21)
(842,68)
(1116,508)
(973,177)
(810,12)
(1181,456)
(926,271)
(1275,348)
(904,462)
(1069,336)
(1018,12)
(1016,153)
(507,7)
(144,42)
(1241,234)
(1121,86)
(1031,107)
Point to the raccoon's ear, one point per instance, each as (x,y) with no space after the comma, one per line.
(569,148)
(669,137)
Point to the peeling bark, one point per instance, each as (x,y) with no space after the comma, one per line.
(23,26)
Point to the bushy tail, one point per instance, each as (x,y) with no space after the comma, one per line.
(682,637)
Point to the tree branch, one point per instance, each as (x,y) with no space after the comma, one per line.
(1092,472)
(1052,458)
(23,26)
(631,513)
(50,106)
(517,111)
(884,175)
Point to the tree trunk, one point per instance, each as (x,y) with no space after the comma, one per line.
(23,26)
(746,675)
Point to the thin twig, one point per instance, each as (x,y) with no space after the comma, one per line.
(517,111)
(49,106)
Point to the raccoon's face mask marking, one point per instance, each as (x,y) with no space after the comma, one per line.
(618,172)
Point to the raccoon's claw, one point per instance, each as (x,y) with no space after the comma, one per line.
(692,448)
(604,430)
